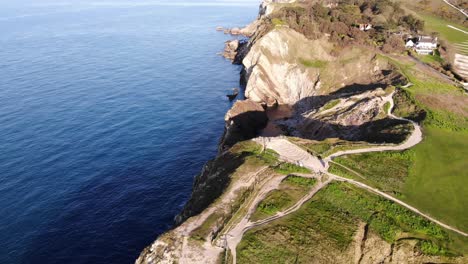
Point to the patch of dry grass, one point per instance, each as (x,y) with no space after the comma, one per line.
(455,103)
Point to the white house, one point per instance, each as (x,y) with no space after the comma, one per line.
(409,44)
(426,45)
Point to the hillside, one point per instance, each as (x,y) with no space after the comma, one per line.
(346,149)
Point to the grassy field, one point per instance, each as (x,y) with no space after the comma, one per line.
(387,171)
(438,179)
(323,229)
(432,176)
(439,25)
(435,24)
(291,189)
(434,59)
(453,36)
(435,8)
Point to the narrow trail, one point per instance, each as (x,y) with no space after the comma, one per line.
(349,169)
(457,8)
(234,236)
(190,255)
(458,29)
(395,200)
(292,153)
(415,137)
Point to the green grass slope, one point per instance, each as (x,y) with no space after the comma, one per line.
(323,229)
(291,189)
(438,178)
(432,176)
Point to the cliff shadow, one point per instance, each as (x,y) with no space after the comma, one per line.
(242,126)
(382,130)
(211,183)
(316,102)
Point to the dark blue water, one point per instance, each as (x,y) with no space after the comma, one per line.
(107,112)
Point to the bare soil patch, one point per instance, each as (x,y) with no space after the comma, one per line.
(457,104)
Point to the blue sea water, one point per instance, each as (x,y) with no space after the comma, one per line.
(108,109)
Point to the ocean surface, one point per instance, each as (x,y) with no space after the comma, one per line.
(108,109)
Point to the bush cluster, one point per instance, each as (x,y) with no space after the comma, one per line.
(342,22)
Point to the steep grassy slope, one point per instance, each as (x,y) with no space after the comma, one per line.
(291,189)
(324,231)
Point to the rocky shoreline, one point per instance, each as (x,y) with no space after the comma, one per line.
(242,122)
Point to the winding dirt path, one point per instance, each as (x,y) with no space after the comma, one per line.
(415,137)
(189,254)
(395,200)
(234,236)
(291,153)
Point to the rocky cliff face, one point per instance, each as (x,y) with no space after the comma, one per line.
(235,50)
(360,117)
(284,67)
(274,73)
(209,184)
(242,122)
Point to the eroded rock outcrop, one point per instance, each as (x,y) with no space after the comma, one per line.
(284,67)
(359,117)
(377,250)
(235,50)
(274,73)
(243,121)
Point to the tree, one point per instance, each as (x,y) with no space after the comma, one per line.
(340,28)
(319,11)
(394,44)
(412,23)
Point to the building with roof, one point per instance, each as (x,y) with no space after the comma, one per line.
(425,45)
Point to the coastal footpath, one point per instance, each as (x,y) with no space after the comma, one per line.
(326,161)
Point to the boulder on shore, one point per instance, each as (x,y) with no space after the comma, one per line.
(235,31)
(230,49)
